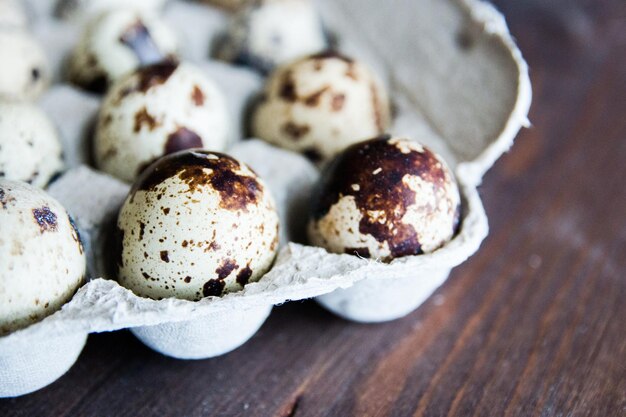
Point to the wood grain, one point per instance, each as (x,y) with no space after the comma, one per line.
(534,324)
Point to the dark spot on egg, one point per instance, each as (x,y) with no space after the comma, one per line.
(213,246)
(46,219)
(182,139)
(226,267)
(313,99)
(154,75)
(142,229)
(3,199)
(197,96)
(213,287)
(378,167)
(200,168)
(244,275)
(142,117)
(164,256)
(287,90)
(295,131)
(187,279)
(35,74)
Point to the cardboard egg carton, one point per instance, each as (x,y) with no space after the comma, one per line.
(460,86)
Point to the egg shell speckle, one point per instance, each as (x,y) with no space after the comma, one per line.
(321,104)
(195,224)
(272,32)
(42,262)
(157,110)
(385,198)
(118,42)
(24,72)
(30,149)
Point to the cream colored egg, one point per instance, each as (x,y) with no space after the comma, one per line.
(321,104)
(116,43)
(273,32)
(195,224)
(157,110)
(385,198)
(24,72)
(42,263)
(12,15)
(30,149)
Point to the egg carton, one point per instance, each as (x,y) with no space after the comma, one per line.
(459,85)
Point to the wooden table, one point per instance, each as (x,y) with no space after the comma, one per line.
(534,324)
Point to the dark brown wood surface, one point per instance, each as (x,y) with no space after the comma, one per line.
(533,324)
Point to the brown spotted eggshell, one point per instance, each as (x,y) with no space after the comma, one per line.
(385,198)
(157,110)
(42,262)
(321,104)
(195,224)
(118,42)
(30,149)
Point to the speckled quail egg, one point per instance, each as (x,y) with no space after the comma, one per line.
(42,263)
(195,224)
(85,9)
(30,149)
(158,110)
(11,15)
(116,43)
(321,104)
(24,72)
(272,32)
(385,198)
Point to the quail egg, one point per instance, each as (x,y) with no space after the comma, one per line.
(116,43)
(30,149)
(24,72)
(321,104)
(385,198)
(272,32)
(157,110)
(195,224)
(11,15)
(42,263)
